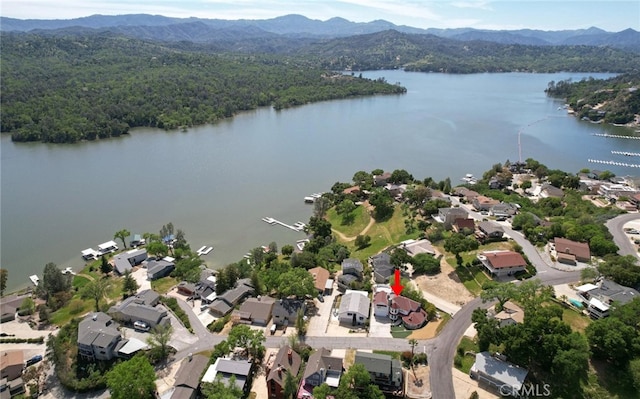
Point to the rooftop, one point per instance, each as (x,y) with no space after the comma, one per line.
(505,372)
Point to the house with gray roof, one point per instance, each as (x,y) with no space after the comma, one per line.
(187,379)
(345,281)
(159,268)
(448,216)
(490,229)
(322,368)
(141,307)
(352,266)
(285,311)
(354,308)
(602,296)
(382,267)
(498,373)
(384,371)
(126,260)
(225,369)
(254,311)
(225,302)
(98,337)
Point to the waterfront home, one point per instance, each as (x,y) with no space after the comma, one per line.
(321,369)
(224,303)
(502,263)
(602,296)
(321,280)
(354,308)
(447,216)
(225,370)
(385,371)
(255,311)
(549,191)
(206,287)
(141,307)
(159,268)
(414,247)
(285,311)
(498,373)
(382,267)
(98,337)
(125,261)
(381,180)
(466,194)
(613,191)
(187,379)
(276,371)
(571,252)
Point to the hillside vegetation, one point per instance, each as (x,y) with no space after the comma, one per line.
(67,89)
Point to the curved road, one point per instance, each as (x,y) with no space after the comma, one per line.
(440,350)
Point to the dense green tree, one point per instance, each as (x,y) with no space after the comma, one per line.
(27,307)
(400,176)
(356,384)
(159,341)
(296,282)
(345,208)
(129,284)
(132,379)
(287,250)
(122,235)
(457,243)
(290,388)
(322,391)
(362,241)
(417,196)
(634,371)
(383,203)
(96,289)
(431,207)
(105,266)
(53,281)
(252,341)
(399,257)
(321,206)
(218,389)
(319,228)
(157,248)
(502,292)
(426,263)
(611,339)
(363,179)
(188,269)
(304,259)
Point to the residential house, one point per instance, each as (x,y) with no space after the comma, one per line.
(396,190)
(254,311)
(286,360)
(498,373)
(571,252)
(98,337)
(187,289)
(126,260)
(352,266)
(447,216)
(285,311)
(466,194)
(601,297)
(549,191)
(437,194)
(414,247)
(482,203)
(225,302)
(461,225)
(502,263)
(345,281)
(510,314)
(321,369)
(382,267)
(9,307)
(224,369)
(381,180)
(351,190)
(407,311)
(384,371)
(187,380)
(503,210)
(381,304)
(206,287)
(11,364)
(354,308)
(495,184)
(490,230)
(613,191)
(321,279)
(141,307)
(159,268)
(635,200)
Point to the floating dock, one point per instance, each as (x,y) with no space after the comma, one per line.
(34,279)
(204,250)
(297,226)
(616,136)
(626,153)
(312,198)
(615,163)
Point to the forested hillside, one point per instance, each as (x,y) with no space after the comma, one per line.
(66,89)
(615,100)
(428,53)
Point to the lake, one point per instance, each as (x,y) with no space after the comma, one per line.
(216,182)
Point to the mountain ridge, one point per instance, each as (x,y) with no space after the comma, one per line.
(296,25)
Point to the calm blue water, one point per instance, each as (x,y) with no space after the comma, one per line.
(216,182)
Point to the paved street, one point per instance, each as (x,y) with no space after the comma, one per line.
(621,239)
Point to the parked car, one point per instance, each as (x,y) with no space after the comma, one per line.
(633,231)
(35,359)
(141,326)
(320,298)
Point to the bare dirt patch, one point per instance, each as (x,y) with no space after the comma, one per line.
(426,332)
(418,386)
(445,285)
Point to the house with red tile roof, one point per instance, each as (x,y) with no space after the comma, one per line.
(407,310)
(502,263)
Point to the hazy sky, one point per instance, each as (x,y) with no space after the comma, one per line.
(611,15)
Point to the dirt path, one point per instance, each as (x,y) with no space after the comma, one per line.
(363,232)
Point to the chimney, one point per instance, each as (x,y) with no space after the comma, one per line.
(279,371)
(290,355)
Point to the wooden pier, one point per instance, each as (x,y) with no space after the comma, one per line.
(297,226)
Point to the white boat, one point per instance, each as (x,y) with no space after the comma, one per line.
(34,279)
(68,270)
(309,200)
(469,178)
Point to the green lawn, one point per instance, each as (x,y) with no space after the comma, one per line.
(400,332)
(360,221)
(472,278)
(163,285)
(64,315)
(395,355)
(466,345)
(79,282)
(576,320)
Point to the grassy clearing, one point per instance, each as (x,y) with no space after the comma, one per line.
(466,345)
(64,315)
(400,332)
(472,278)
(163,285)
(576,320)
(394,355)
(360,221)
(79,282)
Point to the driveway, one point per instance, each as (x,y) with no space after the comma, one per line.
(380,326)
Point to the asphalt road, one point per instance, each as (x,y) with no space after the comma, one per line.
(621,239)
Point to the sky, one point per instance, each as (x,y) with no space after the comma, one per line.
(610,15)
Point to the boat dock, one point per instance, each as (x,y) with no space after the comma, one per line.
(297,226)
(616,136)
(628,165)
(625,153)
(34,279)
(312,198)
(204,250)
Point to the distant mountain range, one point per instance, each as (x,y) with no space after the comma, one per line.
(199,30)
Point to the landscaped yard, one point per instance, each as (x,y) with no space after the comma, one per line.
(472,277)
(400,332)
(467,360)
(163,285)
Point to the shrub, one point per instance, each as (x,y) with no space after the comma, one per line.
(420,358)
(406,357)
(457,361)
(76,306)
